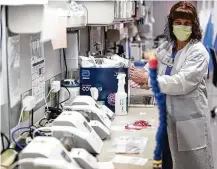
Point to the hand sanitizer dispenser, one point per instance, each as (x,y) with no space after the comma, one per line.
(121,96)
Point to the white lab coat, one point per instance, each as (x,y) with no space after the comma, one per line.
(188,115)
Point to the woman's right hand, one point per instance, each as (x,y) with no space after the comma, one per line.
(148,54)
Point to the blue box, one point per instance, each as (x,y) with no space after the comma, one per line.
(105,79)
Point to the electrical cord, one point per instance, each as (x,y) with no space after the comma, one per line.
(29,131)
(3,136)
(67,98)
(41,129)
(21,115)
(57,99)
(21,128)
(3,144)
(45,99)
(32,118)
(64,56)
(53,113)
(32,122)
(40,122)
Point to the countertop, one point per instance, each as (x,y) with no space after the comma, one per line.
(148,114)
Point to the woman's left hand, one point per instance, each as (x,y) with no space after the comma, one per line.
(139,76)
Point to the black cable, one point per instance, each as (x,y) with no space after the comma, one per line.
(42,125)
(64,56)
(3,143)
(32,118)
(67,98)
(52,113)
(30,131)
(57,99)
(3,136)
(32,122)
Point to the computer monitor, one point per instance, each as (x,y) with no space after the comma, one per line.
(214,60)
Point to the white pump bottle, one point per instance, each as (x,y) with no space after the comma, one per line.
(121,96)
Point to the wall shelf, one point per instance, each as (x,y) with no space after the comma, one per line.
(27,19)
(115,21)
(102,12)
(23,2)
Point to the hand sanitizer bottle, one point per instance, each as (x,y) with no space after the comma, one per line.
(121,97)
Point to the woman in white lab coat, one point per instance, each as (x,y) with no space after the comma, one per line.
(183,67)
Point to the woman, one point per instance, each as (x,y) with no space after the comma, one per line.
(183,66)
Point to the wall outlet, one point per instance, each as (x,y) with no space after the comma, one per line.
(25,115)
(52,95)
(52,79)
(28,93)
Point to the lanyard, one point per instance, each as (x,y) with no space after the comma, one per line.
(169,68)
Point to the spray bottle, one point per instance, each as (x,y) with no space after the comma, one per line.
(121,96)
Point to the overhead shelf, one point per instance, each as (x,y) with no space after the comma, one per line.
(23,2)
(102,12)
(27,19)
(99,12)
(116,21)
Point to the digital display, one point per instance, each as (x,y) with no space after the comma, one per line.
(87,126)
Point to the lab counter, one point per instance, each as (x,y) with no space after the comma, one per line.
(148,114)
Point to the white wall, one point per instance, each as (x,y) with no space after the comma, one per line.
(53,66)
(52,62)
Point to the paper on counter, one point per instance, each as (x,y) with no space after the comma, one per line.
(129,144)
(105,165)
(117,128)
(142,113)
(121,159)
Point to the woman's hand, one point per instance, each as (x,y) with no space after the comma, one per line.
(138,76)
(148,54)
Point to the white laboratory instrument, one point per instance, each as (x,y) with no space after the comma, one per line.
(100,129)
(84,159)
(46,147)
(88,100)
(77,120)
(91,112)
(88,140)
(105,109)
